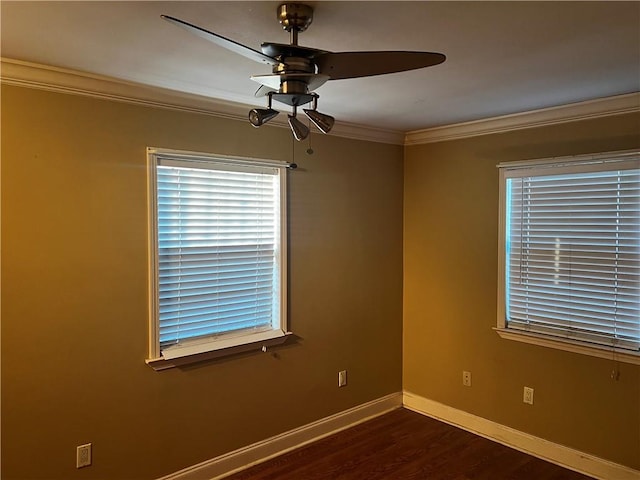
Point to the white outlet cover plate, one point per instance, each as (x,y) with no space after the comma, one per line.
(342,378)
(83,455)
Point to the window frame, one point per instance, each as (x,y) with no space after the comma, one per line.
(205,348)
(557,165)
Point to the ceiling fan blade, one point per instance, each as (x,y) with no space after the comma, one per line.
(223,42)
(343,65)
(263,90)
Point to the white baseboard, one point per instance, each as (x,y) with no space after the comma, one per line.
(232,462)
(535,446)
(243,458)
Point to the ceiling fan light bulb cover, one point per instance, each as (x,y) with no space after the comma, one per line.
(299,129)
(260,116)
(320,120)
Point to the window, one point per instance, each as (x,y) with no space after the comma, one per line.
(570,254)
(218,264)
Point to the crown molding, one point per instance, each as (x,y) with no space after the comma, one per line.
(602,107)
(62,80)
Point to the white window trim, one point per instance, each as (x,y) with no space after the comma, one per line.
(205,349)
(566,344)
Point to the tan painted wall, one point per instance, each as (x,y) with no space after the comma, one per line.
(450,281)
(74,292)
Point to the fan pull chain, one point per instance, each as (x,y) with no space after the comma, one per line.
(309,150)
(615,371)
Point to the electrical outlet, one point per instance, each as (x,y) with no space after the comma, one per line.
(528,395)
(466,379)
(342,378)
(83,455)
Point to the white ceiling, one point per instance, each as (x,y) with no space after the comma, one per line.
(502,57)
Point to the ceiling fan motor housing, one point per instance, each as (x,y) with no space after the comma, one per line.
(295,65)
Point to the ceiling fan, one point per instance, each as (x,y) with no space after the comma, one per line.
(298,71)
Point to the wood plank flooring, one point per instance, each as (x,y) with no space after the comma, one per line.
(404,445)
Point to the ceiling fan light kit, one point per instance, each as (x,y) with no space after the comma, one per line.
(300,130)
(323,122)
(260,116)
(298,71)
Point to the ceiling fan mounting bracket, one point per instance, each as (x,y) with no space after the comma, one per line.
(295,18)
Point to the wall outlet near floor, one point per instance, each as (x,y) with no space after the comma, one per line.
(342,378)
(83,455)
(528,395)
(466,379)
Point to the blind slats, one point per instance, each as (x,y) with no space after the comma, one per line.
(218,243)
(573,255)
(224,316)
(203,302)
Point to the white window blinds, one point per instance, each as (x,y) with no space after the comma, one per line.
(218,249)
(572,264)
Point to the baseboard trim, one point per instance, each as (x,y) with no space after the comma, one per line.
(243,458)
(524,442)
(232,462)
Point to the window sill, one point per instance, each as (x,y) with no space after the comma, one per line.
(617,354)
(165,363)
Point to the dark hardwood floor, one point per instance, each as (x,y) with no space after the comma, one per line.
(405,445)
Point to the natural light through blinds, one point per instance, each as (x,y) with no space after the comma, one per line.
(572,241)
(218,249)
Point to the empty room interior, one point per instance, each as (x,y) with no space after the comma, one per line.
(401,144)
